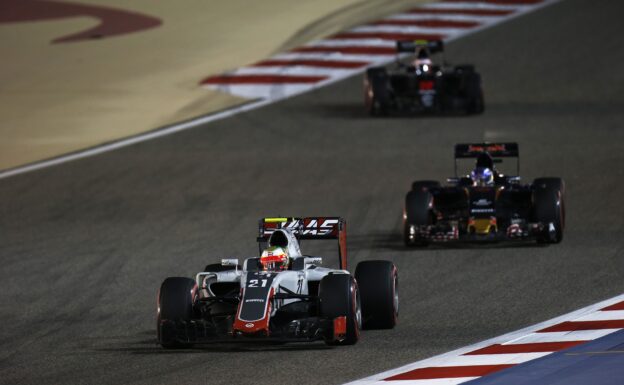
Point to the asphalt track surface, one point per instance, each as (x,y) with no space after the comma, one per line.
(85,245)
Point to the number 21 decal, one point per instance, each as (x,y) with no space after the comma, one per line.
(255,282)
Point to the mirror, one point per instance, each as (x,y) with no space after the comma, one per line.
(229,262)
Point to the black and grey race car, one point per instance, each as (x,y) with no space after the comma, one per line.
(420,86)
(302,301)
(485,205)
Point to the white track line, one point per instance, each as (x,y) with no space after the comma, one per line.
(351,43)
(490,359)
(407,29)
(471,5)
(299,70)
(337,56)
(436,381)
(577,335)
(443,17)
(275,93)
(602,316)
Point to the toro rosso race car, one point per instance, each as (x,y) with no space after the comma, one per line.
(283,295)
(420,86)
(485,205)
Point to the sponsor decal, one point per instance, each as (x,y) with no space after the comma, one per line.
(482,202)
(254,300)
(487,148)
(249,325)
(426,85)
(480,211)
(312,226)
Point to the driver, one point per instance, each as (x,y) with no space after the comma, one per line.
(482,176)
(423,63)
(274,258)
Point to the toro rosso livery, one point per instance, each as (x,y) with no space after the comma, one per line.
(283,295)
(421,86)
(485,205)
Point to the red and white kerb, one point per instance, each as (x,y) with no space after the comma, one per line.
(336,57)
(503,352)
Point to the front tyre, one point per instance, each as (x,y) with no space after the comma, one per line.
(176,298)
(379,287)
(548,210)
(416,214)
(340,297)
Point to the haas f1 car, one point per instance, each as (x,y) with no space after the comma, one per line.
(283,295)
(485,205)
(420,86)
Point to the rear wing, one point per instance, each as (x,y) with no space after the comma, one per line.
(496,150)
(309,228)
(409,46)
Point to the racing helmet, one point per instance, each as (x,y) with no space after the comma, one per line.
(423,66)
(274,258)
(423,63)
(482,176)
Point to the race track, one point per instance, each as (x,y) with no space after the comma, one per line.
(85,245)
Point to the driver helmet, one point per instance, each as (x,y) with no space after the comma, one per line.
(482,176)
(423,63)
(274,258)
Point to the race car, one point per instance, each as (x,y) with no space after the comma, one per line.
(419,86)
(283,295)
(485,205)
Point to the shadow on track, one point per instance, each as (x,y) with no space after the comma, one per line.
(394,241)
(149,346)
(354,111)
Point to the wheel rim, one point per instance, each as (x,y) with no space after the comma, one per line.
(395,300)
(358,308)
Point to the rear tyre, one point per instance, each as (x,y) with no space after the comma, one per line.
(379,288)
(416,213)
(556,185)
(548,210)
(340,297)
(425,184)
(474,94)
(465,68)
(176,298)
(375,91)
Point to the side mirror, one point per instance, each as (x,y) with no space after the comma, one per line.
(229,262)
(513,179)
(313,260)
(452,180)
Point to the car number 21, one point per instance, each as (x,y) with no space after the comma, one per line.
(255,282)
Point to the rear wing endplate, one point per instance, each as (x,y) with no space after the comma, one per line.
(309,228)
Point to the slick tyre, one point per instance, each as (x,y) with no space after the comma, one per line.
(424,184)
(548,209)
(416,213)
(474,94)
(379,289)
(556,185)
(340,297)
(375,91)
(176,298)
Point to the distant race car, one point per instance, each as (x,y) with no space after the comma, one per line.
(421,86)
(282,295)
(485,205)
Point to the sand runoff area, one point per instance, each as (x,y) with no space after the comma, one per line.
(78,74)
